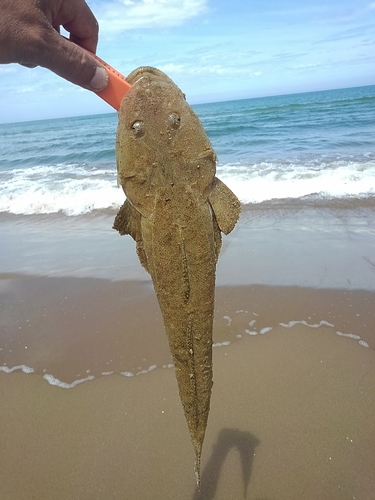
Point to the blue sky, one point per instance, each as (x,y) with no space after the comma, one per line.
(214,50)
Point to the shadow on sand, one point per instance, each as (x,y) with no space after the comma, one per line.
(227,439)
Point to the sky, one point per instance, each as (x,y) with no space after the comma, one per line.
(215,50)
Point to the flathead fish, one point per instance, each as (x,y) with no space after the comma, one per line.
(175,210)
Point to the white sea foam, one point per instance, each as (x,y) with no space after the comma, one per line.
(75,189)
(55,381)
(70,189)
(363,343)
(24,368)
(228,319)
(261,332)
(269,181)
(221,344)
(350,335)
(150,369)
(303,322)
(266,330)
(251,332)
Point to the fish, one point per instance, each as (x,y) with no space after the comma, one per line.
(175,210)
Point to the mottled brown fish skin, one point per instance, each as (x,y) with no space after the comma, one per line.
(183,273)
(175,210)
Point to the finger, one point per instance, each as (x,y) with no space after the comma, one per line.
(80,22)
(28,65)
(72,62)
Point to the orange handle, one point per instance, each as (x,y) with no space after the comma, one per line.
(116,88)
(117,84)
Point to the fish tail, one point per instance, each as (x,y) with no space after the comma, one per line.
(197,469)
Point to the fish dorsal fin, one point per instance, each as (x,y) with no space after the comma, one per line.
(225,205)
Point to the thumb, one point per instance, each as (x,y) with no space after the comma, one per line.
(75,64)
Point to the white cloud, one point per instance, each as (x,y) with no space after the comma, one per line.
(123,15)
(172,68)
(193,70)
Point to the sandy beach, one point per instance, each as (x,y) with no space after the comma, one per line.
(98,415)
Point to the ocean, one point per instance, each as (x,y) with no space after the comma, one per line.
(317,145)
(302,165)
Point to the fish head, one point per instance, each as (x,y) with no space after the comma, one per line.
(160,142)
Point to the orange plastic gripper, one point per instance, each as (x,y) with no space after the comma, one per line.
(116,88)
(117,84)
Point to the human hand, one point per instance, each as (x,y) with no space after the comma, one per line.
(29,35)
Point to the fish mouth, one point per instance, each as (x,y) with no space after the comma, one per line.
(146,72)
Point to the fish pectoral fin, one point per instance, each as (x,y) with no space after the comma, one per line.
(128,221)
(225,205)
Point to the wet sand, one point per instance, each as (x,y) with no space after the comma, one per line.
(294,373)
(291,418)
(74,328)
(292,406)
(294,243)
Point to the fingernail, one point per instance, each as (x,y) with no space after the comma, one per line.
(100,79)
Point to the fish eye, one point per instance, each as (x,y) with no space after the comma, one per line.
(174,120)
(138,128)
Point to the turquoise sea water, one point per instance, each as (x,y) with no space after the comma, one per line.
(319,145)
